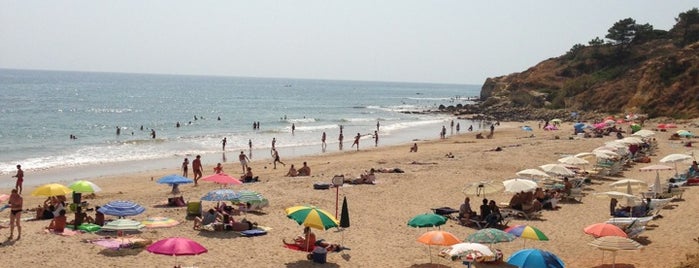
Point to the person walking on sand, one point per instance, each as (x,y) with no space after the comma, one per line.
(15,202)
(20,179)
(323,145)
(185,167)
(243,161)
(275,155)
(356,141)
(340,139)
(197,169)
(223,142)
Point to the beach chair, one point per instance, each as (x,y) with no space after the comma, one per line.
(521,214)
(193,209)
(624,222)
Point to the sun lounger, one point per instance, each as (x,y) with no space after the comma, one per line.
(623,222)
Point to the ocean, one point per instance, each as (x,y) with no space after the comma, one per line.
(41,110)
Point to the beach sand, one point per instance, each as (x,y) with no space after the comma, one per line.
(378,236)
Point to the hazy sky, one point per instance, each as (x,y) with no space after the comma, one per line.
(458,41)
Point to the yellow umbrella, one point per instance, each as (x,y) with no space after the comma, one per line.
(52,189)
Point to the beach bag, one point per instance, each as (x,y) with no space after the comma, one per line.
(321,185)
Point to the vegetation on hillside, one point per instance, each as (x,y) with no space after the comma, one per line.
(637,69)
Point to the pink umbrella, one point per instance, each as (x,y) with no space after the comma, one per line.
(600,125)
(4,197)
(176,246)
(222,178)
(604,229)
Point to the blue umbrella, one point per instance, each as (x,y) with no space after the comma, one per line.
(527,128)
(174,179)
(121,208)
(220,195)
(535,258)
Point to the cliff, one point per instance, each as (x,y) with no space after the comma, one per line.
(656,73)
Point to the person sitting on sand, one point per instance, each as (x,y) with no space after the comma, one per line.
(58,224)
(465,211)
(45,211)
(248,176)
(494,218)
(485,209)
(218,169)
(84,218)
(413,149)
(516,201)
(305,242)
(449,155)
(292,172)
(305,170)
(99,216)
(209,217)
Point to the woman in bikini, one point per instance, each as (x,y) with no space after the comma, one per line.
(15,213)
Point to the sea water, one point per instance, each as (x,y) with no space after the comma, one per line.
(41,110)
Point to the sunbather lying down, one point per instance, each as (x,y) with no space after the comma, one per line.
(367,178)
(389,170)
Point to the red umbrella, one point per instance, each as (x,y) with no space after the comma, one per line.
(176,246)
(222,178)
(604,229)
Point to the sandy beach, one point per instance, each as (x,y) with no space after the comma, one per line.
(378,236)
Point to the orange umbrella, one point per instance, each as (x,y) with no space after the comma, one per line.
(604,229)
(438,237)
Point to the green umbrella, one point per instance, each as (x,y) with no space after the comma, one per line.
(84,187)
(253,198)
(427,220)
(490,236)
(312,217)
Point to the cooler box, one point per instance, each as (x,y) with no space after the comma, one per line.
(319,255)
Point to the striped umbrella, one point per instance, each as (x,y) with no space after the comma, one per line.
(614,244)
(121,208)
(123,225)
(490,236)
(255,199)
(311,216)
(220,195)
(528,232)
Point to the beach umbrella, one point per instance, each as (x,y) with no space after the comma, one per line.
(643,133)
(557,169)
(635,128)
(657,169)
(344,215)
(174,179)
(535,258)
(4,197)
(311,216)
(626,183)
(675,158)
(159,222)
(605,154)
(121,208)
(614,244)
(253,198)
(84,187)
(52,189)
(490,236)
(438,237)
(550,127)
(527,232)
(176,246)
(532,173)
(427,220)
(519,185)
(219,195)
(604,229)
(630,140)
(572,160)
(584,155)
(482,188)
(222,178)
(556,120)
(470,251)
(123,225)
(630,198)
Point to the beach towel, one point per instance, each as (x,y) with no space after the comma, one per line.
(296,247)
(118,243)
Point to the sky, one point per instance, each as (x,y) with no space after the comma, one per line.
(439,41)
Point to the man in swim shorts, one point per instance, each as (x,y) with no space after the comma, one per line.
(20,179)
(197,169)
